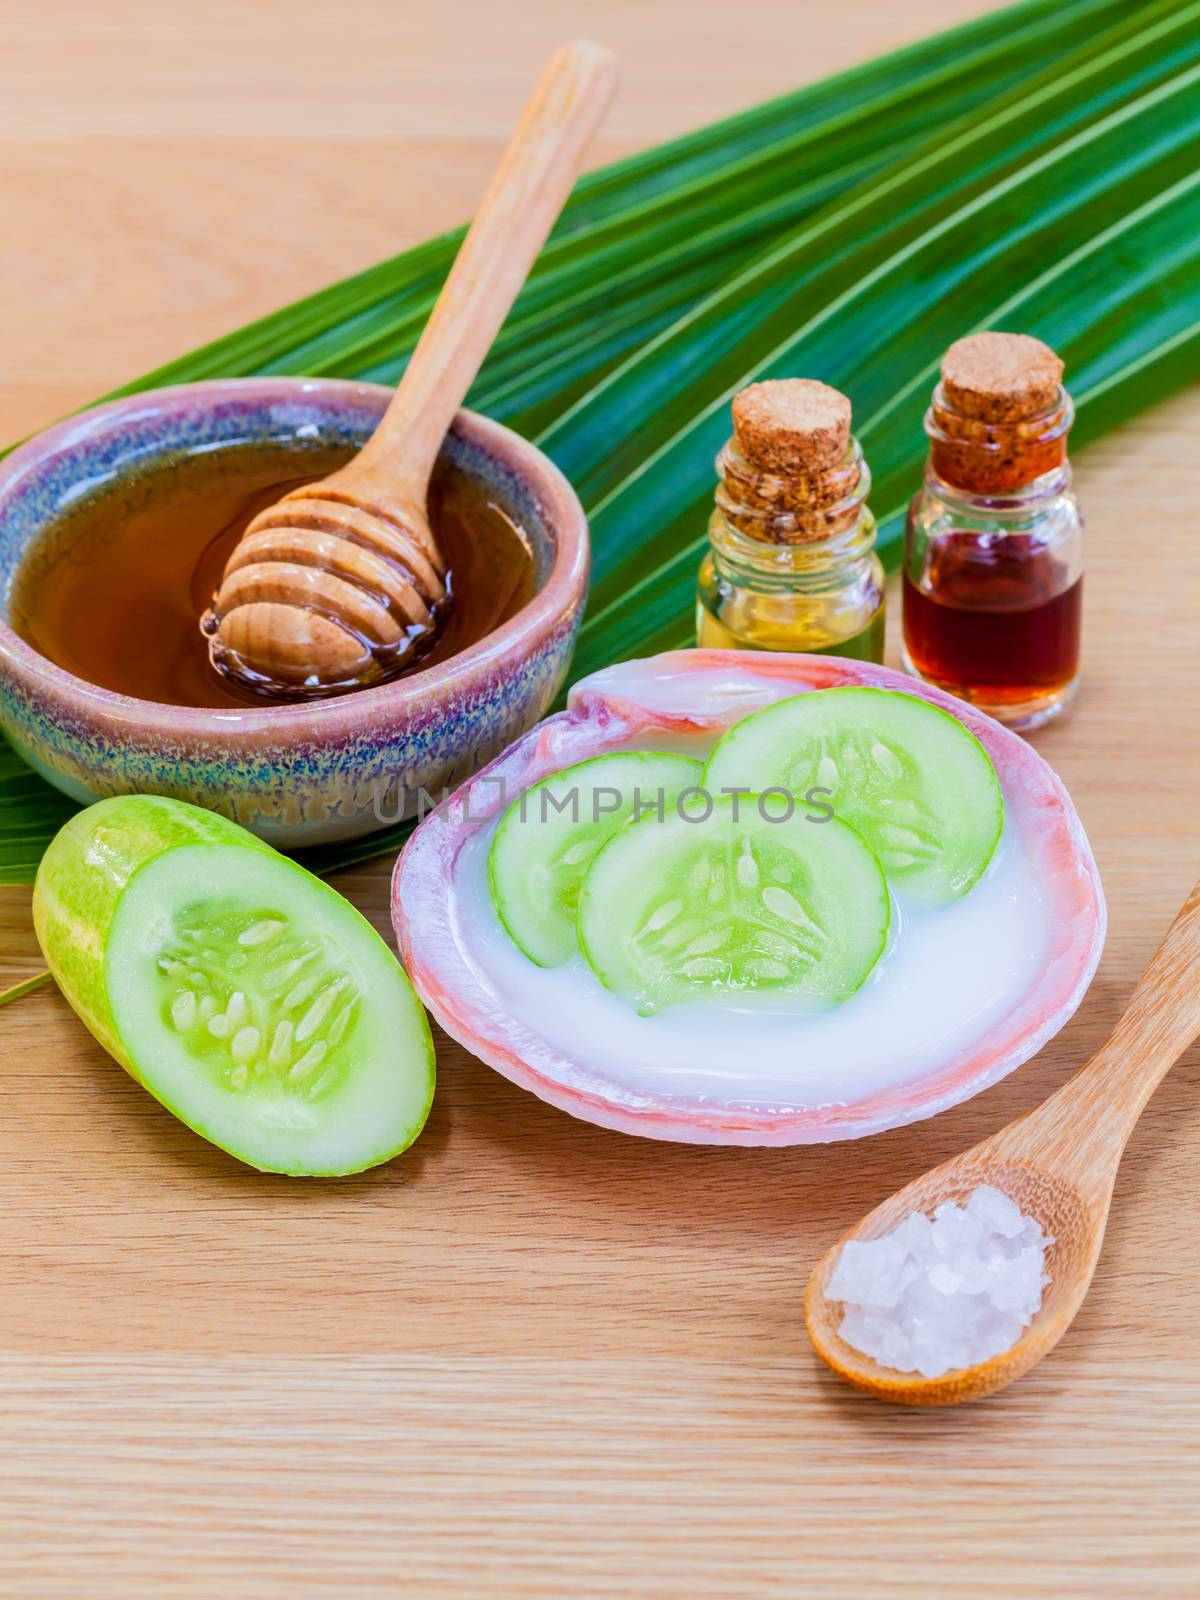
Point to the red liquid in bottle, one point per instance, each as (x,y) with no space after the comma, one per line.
(992,620)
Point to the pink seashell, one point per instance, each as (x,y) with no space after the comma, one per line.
(692,691)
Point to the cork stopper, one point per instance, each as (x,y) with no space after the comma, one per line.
(791,425)
(1001,377)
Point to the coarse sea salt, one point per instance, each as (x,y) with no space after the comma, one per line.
(943,1292)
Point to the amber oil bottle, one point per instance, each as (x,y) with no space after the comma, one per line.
(791,563)
(993,561)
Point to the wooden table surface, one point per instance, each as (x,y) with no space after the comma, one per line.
(532,1358)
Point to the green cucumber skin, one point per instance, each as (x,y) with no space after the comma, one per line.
(724,812)
(730,748)
(84,873)
(80,884)
(686,768)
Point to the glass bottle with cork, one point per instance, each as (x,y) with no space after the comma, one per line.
(993,560)
(792,562)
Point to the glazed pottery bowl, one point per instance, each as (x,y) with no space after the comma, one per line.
(300,774)
(464,968)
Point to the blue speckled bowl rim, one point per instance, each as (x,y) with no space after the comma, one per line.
(514,457)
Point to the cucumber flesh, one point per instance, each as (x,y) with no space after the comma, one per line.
(909,777)
(242,992)
(547,839)
(734,902)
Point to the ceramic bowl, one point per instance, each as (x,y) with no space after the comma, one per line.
(441,912)
(303,774)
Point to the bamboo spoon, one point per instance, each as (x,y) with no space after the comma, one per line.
(342,582)
(1058,1163)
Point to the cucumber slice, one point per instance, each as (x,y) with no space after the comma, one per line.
(685,907)
(547,839)
(915,783)
(242,992)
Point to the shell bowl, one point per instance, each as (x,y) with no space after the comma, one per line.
(674,697)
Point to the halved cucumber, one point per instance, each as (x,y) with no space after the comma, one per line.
(675,909)
(915,783)
(546,840)
(244,993)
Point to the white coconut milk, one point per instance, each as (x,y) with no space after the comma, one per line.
(947,978)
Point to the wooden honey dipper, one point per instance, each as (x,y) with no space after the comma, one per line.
(341,583)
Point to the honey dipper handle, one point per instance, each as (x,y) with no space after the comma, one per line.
(524,199)
(1086,1124)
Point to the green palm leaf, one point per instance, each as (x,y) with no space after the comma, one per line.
(1008,219)
(713,198)
(31,813)
(1002,173)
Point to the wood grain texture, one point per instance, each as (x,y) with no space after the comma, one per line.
(1059,1163)
(305,597)
(532,1358)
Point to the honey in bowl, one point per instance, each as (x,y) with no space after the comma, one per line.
(113,590)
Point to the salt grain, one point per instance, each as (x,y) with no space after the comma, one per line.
(937,1294)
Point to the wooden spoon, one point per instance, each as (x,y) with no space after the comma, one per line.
(1058,1163)
(341,582)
